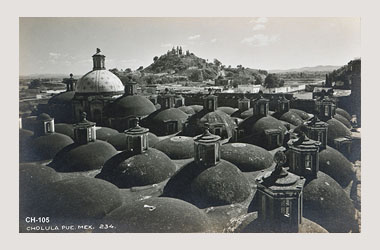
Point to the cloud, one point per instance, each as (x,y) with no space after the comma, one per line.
(194,37)
(259,40)
(258,27)
(213,40)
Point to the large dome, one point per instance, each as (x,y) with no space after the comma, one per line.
(99,81)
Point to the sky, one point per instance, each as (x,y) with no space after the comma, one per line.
(66,45)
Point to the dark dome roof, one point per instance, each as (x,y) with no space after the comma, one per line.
(119,140)
(177,147)
(222,184)
(84,157)
(247,113)
(79,199)
(32,178)
(45,147)
(333,163)
(156,119)
(65,128)
(187,110)
(343,120)
(62,98)
(267,122)
(43,117)
(219,117)
(227,110)
(326,203)
(300,113)
(218,185)
(247,157)
(159,215)
(336,129)
(131,105)
(196,108)
(104,133)
(343,113)
(24,138)
(127,170)
(292,118)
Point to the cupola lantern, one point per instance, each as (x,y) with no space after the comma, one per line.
(207,148)
(244,104)
(166,100)
(279,198)
(260,105)
(130,88)
(210,102)
(282,104)
(44,125)
(325,107)
(304,156)
(317,130)
(84,131)
(98,60)
(137,138)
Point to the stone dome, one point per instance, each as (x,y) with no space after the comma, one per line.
(79,199)
(196,108)
(127,169)
(131,105)
(65,128)
(155,121)
(228,110)
(336,129)
(85,157)
(343,120)
(45,147)
(99,81)
(186,109)
(336,165)
(62,98)
(246,157)
(159,215)
(119,140)
(301,113)
(219,185)
(326,203)
(292,118)
(177,147)
(343,113)
(24,138)
(104,133)
(33,177)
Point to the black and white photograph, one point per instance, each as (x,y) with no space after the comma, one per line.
(190,124)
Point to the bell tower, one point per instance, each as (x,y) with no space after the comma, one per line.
(325,107)
(166,100)
(210,102)
(317,130)
(260,105)
(244,104)
(282,104)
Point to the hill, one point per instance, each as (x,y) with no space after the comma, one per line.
(319,68)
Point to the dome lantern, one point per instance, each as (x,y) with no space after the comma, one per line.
(282,104)
(70,84)
(44,125)
(304,156)
(280,198)
(274,138)
(84,131)
(244,104)
(260,105)
(210,103)
(137,138)
(325,107)
(207,148)
(317,130)
(166,100)
(98,60)
(130,88)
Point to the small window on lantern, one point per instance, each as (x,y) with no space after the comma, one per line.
(262,109)
(285,208)
(210,104)
(327,110)
(308,162)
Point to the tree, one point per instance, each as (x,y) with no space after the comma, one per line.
(155,58)
(217,62)
(140,68)
(272,81)
(258,80)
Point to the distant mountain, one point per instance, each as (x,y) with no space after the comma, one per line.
(47,76)
(310,69)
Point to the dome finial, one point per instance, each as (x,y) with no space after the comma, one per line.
(97,50)
(84,116)
(280,159)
